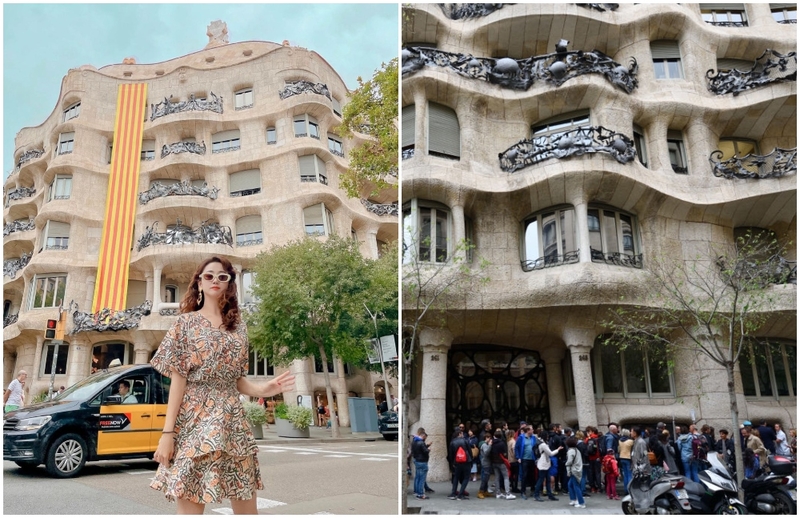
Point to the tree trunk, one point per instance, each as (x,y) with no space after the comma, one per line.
(329,392)
(404,423)
(735,433)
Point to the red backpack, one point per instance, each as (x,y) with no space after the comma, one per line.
(461,455)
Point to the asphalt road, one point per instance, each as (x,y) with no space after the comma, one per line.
(321,478)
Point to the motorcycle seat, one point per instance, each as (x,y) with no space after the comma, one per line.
(746,483)
(693,487)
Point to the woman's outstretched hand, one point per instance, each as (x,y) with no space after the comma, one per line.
(282,383)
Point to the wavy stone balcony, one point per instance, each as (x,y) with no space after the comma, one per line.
(19,194)
(108,319)
(520,74)
(184,188)
(578,141)
(302,87)
(208,233)
(771,67)
(780,162)
(167,107)
(12,266)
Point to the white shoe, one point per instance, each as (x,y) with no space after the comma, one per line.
(509,496)
(500,495)
(580,507)
(572,502)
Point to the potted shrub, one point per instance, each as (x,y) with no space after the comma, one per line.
(292,421)
(256,416)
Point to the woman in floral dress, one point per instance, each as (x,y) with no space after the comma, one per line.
(206,452)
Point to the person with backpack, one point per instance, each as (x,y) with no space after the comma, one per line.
(544,453)
(594,480)
(461,453)
(574,467)
(499,453)
(585,457)
(485,448)
(688,444)
(611,471)
(524,452)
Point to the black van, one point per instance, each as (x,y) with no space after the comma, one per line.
(90,421)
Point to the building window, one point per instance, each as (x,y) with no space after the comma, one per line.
(732,147)
(444,134)
(48,350)
(170,294)
(312,169)
(769,368)
(306,126)
(318,220)
(426,231)
(549,239)
(56,236)
(731,64)
(666,59)
(72,112)
(110,152)
(613,237)
(335,145)
(104,354)
(318,365)
(635,371)
(337,107)
(640,144)
(248,231)
(724,15)
(272,136)
(784,13)
(148,150)
(258,366)
(225,141)
(409,115)
(47,291)
(248,278)
(245,183)
(66,142)
(61,188)
(677,153)
(244,99)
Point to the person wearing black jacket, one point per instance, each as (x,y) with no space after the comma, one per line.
(555,440)
(420,451)
(726,447)
(460,469)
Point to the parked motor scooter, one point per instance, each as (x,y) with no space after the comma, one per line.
(775,492)
(716,493)
(665,495)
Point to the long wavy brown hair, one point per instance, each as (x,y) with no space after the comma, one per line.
(228,302)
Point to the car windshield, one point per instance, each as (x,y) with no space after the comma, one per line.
(87,387)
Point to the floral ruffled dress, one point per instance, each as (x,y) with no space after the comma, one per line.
(215,452)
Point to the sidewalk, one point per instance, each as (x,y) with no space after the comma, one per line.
(438,503)
(317,435)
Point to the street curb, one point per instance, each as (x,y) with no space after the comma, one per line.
(314,440)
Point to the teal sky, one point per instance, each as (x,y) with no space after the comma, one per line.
(41,42)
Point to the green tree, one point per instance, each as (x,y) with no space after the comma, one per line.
(712,305)
(310,302)
(372,111)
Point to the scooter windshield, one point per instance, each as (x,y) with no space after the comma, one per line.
(717,465)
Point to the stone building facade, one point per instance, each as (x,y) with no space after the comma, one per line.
(239,153)
(570,144)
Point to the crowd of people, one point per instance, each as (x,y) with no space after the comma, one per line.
(584,463)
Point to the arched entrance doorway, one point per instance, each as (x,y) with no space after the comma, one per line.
(380,393)
(496,383)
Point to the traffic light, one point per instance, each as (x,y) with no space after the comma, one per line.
(61,325)
(50,330)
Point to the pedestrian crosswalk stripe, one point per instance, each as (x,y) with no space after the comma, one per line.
(137,471)
(305,453)
(338,456)
(376,460)
(261,503)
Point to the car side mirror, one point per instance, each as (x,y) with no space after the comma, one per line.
(114,399)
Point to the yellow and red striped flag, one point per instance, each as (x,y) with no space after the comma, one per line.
(111,285)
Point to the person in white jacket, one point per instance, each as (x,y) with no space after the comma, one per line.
(544,453)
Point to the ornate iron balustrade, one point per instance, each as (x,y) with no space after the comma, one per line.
(226,149)
(206,233)
(774,165)
(12,266)
(108,319)
(245,192)
(337,153)
(10,319)
(617,258)
(770,67)
(775,270)
(520,74)
(170,312)
(246,106)
(466,11)
(578,141)
(250,242)
(600,7)
(381,209)
(408,153)
(679,169)
(18,226)
(184,188)
(727,23)
(551,260)
(19,193)
(301,87)
(28,156)
(788,21)
(167,107)
(57,246)
(183,147)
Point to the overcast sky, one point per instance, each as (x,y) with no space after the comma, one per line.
(41,42)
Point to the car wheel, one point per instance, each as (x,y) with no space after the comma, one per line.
(26,465)
(66,456)
(388,437)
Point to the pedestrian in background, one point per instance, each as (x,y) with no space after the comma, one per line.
(486,464)
(544,462)
(781,445)
(585,457)
(625,449)
(526,458)
(611,471)
(13,396)
(511,444)
(461,454)
(574,467)
(499,454)
(420,451)
(595,451)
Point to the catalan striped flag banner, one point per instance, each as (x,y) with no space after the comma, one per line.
(111,285)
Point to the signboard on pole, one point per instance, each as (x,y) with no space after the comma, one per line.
(388,348)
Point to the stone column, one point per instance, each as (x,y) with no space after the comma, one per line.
(80,363)
(340,389)
(579,342)
(459,231)
(156,289)
(33,368)
(434,344)
(90,282)
(303,384)
(556,399)
(141,349)
(657,150)
(148,292)
(582,222)
(372,243)
(420,128)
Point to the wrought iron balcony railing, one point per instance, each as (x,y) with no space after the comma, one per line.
(770,67)
(381,209)
(108,319)
(206,233)
(167,107)
(20,193)
(774,165)
(742,23)
(551,260)
(12,266)
(28,156)
(10,319)
(408,153)
(183,147)
(521,74)
(601,7)
(788,21)
(250,242)
(169,312)
(245,192)
(466,11)
(302,87)
(617,258)
(775,270)
(578,141)
(159,190)
(18,226)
